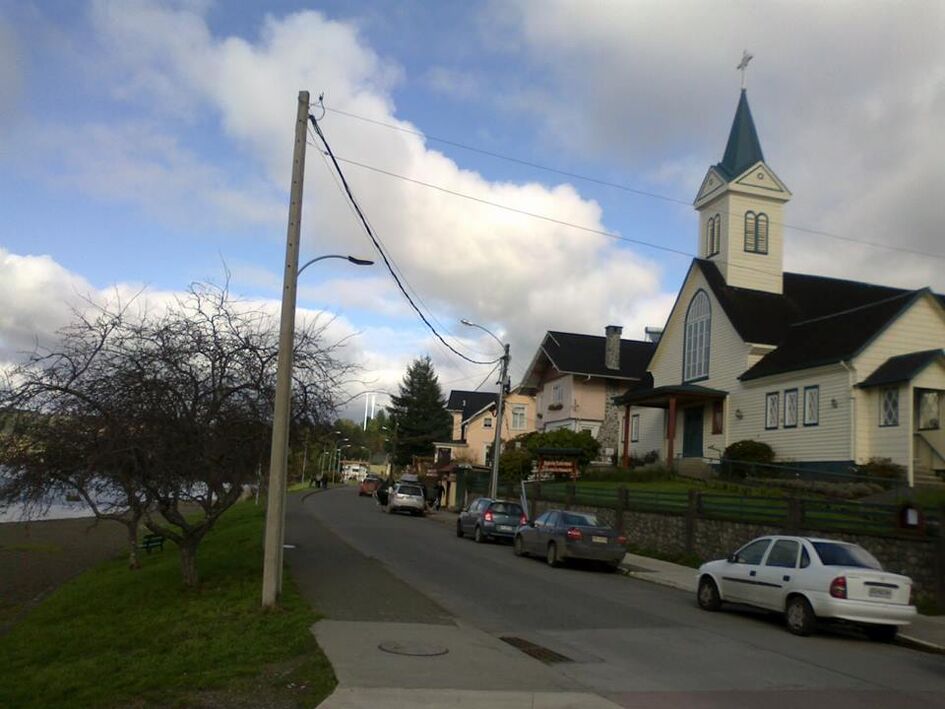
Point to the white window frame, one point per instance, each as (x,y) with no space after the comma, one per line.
(889,407)
(557,394)
(635,428)
(519,414)
(790,408)
(772,410)
(929,418)
(812,405)
(697,342)
(487,422)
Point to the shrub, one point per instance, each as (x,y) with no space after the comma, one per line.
(846,491)
(738,457)
(883,468)
(515,464)
(628,475)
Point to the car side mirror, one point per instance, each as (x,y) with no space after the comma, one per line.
(531,523)
(732,559)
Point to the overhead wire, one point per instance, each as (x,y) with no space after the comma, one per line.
(623,187)
(381,251)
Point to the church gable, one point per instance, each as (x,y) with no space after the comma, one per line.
(712,186)
(761,177)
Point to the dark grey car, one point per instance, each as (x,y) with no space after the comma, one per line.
(559,535)
(486,518)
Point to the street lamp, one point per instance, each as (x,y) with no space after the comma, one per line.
(279,458)
(503,381)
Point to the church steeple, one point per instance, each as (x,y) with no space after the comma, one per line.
(743,148)
(741,210)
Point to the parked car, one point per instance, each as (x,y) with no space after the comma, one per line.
(559,535)
(486,519)
(807,579)
(367,486)
(406,496)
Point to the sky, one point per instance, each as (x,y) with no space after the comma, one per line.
(146,145)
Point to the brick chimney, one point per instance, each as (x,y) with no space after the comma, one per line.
(612,346)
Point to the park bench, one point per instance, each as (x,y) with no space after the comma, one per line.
(152,541)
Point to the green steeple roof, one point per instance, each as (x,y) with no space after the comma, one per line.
(743,149)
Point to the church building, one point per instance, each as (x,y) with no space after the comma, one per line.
(829,372)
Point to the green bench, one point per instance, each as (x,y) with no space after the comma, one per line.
(152,541)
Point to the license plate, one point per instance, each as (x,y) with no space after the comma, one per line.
(880,593)
(599,540)
(504,528)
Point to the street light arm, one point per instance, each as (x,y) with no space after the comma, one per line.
(467,323)
(352,259)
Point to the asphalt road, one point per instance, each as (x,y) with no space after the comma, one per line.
(636,643)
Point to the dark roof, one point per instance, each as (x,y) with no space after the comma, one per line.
(901,368)
(584,354)
(470,402)
(658,393)
(815,321)
(743,148)
(830,339)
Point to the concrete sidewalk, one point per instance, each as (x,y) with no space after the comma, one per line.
(926,632)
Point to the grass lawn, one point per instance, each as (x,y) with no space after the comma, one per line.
(112,637)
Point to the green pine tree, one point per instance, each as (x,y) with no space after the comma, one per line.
(418,414)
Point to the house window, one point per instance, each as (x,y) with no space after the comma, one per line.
(518,417)
(928,411)
(717,234)
(635,428)
(889,407)
(716,418)
(556,394)
(696,348)
(772,409)
(811,406)
(487,422)
(790,408)
(756,233)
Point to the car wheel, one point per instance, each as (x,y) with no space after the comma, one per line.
(459,529)
(708,595)
(478,535)
(800,616)
(552,556)
(518,546)
(882,633)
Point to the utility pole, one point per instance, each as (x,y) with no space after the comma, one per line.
(278,462)
(497,443)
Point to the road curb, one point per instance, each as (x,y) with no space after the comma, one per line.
(922,645)
(650,577)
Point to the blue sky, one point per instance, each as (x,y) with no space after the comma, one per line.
(147,143)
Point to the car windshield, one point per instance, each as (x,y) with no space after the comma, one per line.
(409,490)
(580,520)
(506,508)
(833,554)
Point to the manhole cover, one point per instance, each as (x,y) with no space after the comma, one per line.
(414,649)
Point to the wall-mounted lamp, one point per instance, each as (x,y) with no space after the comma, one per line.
(739,415)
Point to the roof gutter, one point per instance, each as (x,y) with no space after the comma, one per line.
(851,374)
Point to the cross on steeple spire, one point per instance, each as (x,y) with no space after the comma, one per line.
(743,64)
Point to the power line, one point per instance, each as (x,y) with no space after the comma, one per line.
(380,250)
(623,187)
(486,378)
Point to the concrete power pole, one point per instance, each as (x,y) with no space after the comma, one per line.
(278,462)
(497,443)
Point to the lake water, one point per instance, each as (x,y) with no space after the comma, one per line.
(61,509)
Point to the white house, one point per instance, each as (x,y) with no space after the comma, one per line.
(829,372)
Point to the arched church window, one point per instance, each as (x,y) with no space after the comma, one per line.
(696,345)
(709,235)
(751,243)
(761,233)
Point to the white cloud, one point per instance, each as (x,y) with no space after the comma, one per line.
(465,259)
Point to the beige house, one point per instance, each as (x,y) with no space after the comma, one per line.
(829,372)
(474,421)
(575,378)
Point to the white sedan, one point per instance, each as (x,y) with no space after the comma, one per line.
(807,579)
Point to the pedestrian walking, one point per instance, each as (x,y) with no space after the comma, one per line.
(440,492)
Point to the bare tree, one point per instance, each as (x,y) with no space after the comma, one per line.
(159,418)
